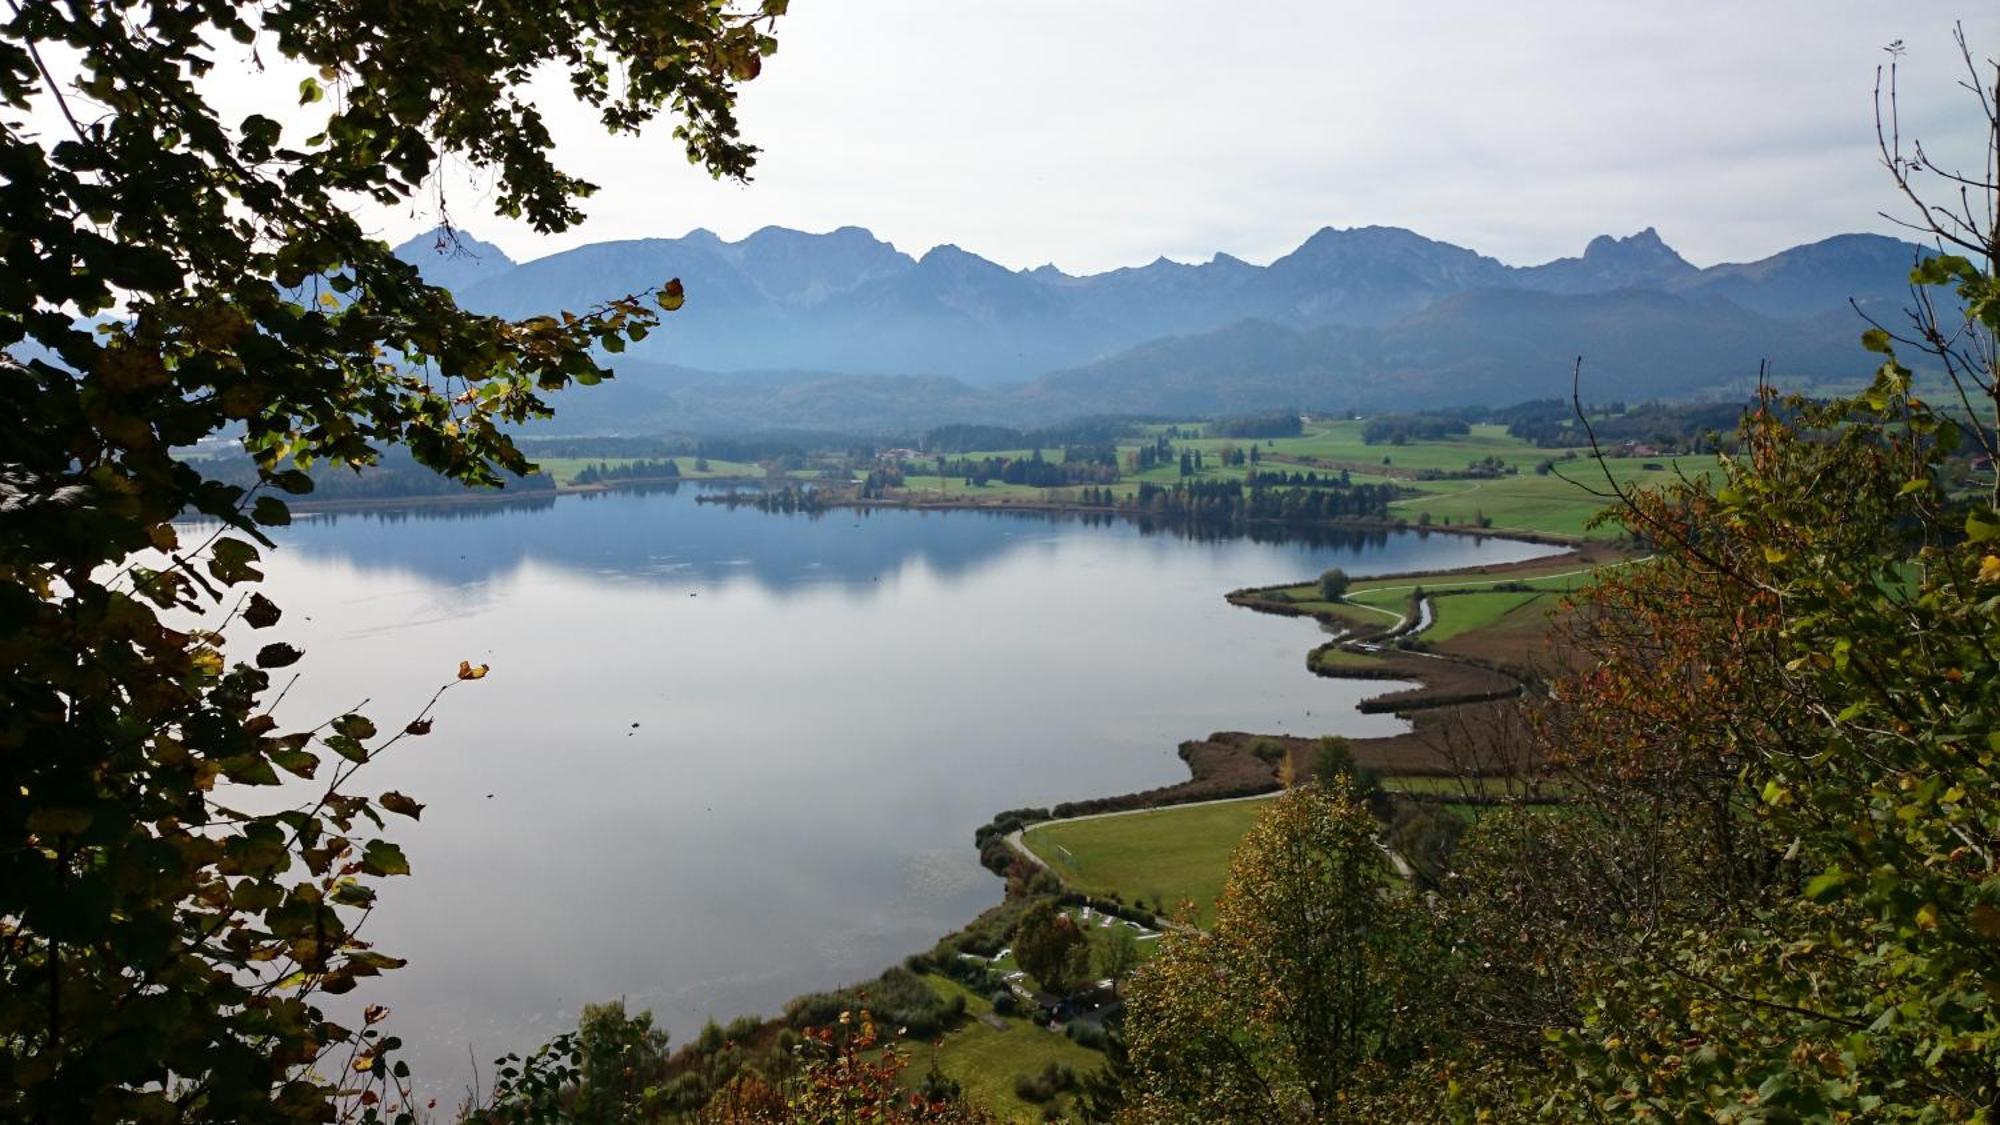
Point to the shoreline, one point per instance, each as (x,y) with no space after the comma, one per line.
(941,504)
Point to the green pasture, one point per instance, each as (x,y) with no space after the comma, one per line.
(1561,503)
(1457,614)
(985,1060)
(1340,659)
(1161,855)
(1340,443)
(918,487)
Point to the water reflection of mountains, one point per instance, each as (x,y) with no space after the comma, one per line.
(659,534)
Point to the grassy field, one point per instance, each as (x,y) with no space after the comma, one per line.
(1466,604)
(1164,855)
(1559,503)
(1553,504)
(565,469)
(1462,613)
(1341,659)
(985,1060)
(1340,442)
(917,487)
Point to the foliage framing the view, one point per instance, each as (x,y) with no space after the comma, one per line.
(167,275)
(1771,892)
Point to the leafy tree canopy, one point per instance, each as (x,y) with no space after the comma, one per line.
(167,274)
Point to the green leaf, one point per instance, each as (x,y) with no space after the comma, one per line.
(301,763)
(249,769)
(278,656)
(380,857)
(354,726)
(1877,340)
(1823,885)
(271,512)
(1981,525)
(230,559)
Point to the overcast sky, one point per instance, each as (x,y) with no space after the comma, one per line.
(1101,133)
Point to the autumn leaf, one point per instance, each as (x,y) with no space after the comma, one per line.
(468,671)
(262,612)
(398,803)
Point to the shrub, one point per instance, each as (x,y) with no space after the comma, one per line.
(1333,584)
(899,999)
(1089,1035)
(1031,1088)
(1055,1078)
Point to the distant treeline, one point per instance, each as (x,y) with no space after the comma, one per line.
(1401,429)
(396,477)
(1279,423)
(1553,424)
(1269,479)
(1080,465)
(602,472)
(1690,427)
(1230,501)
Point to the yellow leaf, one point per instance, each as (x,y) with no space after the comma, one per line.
(1989,569)
(466,671)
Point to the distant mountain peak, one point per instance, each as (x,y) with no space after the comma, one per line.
(453,258)
(1644,246)
(950,255)
(1642,261)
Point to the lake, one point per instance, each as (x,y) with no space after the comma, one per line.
(725,757)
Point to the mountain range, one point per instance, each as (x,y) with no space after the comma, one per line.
(787,328)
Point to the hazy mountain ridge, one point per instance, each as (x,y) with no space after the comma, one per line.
(1365,317)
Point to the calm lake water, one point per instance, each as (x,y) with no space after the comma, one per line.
(725,757)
